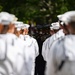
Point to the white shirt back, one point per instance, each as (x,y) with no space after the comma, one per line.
(62,49)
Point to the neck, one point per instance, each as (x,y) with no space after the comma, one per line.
(10,31)
(73,33)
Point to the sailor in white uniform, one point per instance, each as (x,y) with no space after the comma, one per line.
(49,41)
(11,56)
(20,42)
(18,26)
(31,52)
(44,46)
(62,54)
(23,31)
(6,66)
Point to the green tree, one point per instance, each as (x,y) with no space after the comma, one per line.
(40,11)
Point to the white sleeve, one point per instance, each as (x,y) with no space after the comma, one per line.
(44,51)
(51,67)
(2,49)
(36,48)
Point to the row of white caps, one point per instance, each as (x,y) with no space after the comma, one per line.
(64,19)
(7,18)
(20,25)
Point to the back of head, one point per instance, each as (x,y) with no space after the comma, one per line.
(6,19)
(68,21)
(68,17)
(18,27)
(25,28)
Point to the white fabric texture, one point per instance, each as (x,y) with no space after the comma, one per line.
(48,43)
(13,63)
(31,52)
(61,49)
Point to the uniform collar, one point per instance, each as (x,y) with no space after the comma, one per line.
(12,35)
(26,36)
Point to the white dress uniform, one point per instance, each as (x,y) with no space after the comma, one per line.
(45,48)
(62,50)
(11,56)
(62,54)
(20,46)
(31,52)
(48,43)
(21,36)
(16,48)
(6,67)
(6,64)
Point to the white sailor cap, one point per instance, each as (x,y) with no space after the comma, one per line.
(60,19)
(68,17)
(55,25)
(6,18)
(3,13)
(14,18)
(18,25)
(26,26)
(59,16)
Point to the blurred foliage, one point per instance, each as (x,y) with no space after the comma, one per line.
(39,11)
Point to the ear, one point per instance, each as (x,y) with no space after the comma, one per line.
(69,28)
